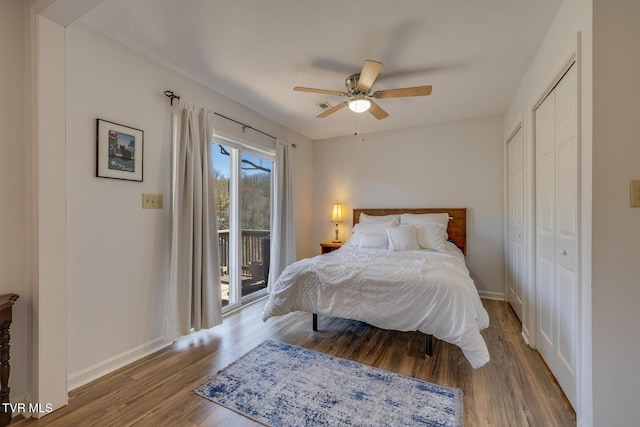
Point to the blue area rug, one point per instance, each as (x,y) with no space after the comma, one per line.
(283,385)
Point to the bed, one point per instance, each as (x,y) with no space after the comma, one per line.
(415,280)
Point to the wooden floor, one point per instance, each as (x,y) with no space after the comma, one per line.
(514,389)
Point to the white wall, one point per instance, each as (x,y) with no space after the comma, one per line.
(569,36)
(118,253)
(13,187)
(616,225)
(450,165)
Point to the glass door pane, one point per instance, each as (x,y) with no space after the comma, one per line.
(222,178)
(255,203)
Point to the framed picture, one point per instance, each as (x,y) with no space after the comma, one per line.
(119,153)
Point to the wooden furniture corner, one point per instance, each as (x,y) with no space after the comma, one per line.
(326,247)
(6,304)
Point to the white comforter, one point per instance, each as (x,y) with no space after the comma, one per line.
(421,290)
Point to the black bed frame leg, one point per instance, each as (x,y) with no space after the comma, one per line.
(315,321)
(429,349)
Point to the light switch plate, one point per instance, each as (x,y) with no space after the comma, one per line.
(635,193)
(151,201)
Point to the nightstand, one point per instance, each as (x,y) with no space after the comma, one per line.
(326,247)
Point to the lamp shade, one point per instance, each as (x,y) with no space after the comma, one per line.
(336,213)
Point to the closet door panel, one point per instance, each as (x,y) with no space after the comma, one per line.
(567,170)
(567,207)
(545,127)
(546,204)
(566,315)
(517,258)
(557,257)
(545,272)
(545,225)
(515,223)
(567,231)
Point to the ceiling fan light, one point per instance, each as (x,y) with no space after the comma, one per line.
(359,104)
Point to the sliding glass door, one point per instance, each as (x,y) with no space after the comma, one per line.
(243,182)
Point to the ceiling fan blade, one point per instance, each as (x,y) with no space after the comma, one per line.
(328,92)
(403,92)
(377,112)
(331,110)
(369,74)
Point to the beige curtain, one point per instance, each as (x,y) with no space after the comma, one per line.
(283,239)
(194,300)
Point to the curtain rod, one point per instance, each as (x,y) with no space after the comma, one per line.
(172,96)
(244,126)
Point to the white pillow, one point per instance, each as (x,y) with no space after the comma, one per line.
(431,236)
(372,241)
(378,228)
(374,228)
(429,218)
(402,238)
(369,219)
(352,242)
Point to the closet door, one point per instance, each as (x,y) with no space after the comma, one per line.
(557,231)
(515,223)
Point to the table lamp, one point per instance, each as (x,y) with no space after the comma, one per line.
(336,216)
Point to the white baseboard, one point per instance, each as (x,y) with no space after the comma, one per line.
(116,362)
(582,423)
(492,295)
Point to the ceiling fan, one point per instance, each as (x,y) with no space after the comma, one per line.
(359,92)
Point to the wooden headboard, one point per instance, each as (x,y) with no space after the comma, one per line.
(457,228)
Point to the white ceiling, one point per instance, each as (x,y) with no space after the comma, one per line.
(473,52)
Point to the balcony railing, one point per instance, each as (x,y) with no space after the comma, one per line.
(255,251)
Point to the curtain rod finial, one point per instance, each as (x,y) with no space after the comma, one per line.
(169,94)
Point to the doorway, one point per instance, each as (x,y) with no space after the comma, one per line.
(243,183)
